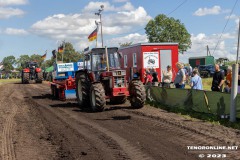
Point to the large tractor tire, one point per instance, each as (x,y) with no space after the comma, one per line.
(118,100)
(25,78)
(97,97)
(55,93)
(39,77)
(137,94)
(82,90)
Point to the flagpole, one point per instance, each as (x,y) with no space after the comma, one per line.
(63,50)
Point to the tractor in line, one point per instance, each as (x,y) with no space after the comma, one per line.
(102,80)
(31,72)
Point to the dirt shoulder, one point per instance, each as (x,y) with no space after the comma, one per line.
(34,126)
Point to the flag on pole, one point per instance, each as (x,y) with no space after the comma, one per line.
(54,53)
(44,56)
(86,49)
(93,35)
(60,49)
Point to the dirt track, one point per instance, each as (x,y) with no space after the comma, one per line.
(33,126)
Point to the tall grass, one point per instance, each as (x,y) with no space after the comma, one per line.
(206,82)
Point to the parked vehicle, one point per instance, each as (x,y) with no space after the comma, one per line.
(207,70)
(204,60)
(63,85)
(101,80)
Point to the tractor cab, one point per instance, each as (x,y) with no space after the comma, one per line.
(99,60)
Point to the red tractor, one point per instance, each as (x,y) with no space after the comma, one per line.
(101,80)
(31,71)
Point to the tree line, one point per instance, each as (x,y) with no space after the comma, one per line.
(69,55)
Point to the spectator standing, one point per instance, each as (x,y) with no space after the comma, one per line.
(179,80)
(148,79)
(196,81)
(190,70)
(218,79)
(167,77)
(228,81)
(155,77)
(136,74)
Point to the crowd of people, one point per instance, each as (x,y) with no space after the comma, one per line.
(185,75)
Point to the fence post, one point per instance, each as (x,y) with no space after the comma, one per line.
(234,91)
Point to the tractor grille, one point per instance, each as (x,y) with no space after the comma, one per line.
(119,82)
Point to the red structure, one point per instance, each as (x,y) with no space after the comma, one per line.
(149,55)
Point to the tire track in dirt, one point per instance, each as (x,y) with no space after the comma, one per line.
(112,139)
(202,136)
(114,144)
(8,152)
(184,134)
(31,136)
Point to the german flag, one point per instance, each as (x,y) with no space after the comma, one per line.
(44,56)
(60,49)
(93,35)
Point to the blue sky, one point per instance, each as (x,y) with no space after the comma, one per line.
(32,26)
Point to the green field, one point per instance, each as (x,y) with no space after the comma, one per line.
(207,83)
(4,81)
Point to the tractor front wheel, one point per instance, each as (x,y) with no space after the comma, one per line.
(97,97)
(39,77)
(25,78)
(137,94)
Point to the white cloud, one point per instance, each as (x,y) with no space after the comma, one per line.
(12,2)
(134,38)
(200,41)
(78,26)
(9,12)
(95,6)
(13,31)
(215,10)
(120,1)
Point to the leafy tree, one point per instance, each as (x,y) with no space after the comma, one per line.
(8,63)
(125,44)
(165,29)
(21,61)
(37,58)
(69,54)
(48,63)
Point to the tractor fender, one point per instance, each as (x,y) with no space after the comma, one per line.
(38,70)
(26,70)
(89,75)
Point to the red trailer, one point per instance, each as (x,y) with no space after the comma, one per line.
(149,55)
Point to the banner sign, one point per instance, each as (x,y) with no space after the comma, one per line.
(65,67)
(150,60)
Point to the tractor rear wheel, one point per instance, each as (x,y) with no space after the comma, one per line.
(39,77)
(25,78)
(82,89)
(55,93)
(97,97)
(137,94)
(118,100)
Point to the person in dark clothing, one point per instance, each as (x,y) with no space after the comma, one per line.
(155,77)
(218,79)
(136,74)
